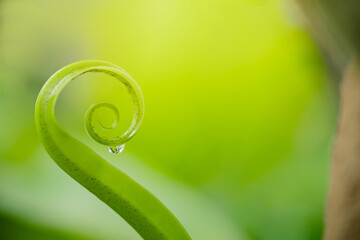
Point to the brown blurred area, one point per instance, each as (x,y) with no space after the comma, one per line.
(335,26)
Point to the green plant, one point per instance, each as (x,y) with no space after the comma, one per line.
(144,212)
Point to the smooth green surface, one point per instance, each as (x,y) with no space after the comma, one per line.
(145,213)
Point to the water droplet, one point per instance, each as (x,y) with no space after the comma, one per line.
(117,149)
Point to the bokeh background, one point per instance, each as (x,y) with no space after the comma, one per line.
(240,110)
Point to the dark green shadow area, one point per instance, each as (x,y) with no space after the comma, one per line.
(12,228)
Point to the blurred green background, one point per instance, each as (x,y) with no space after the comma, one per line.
(240,112)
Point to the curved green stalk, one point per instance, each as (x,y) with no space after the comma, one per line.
(144,212)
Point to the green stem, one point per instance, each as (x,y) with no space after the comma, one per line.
(142,210)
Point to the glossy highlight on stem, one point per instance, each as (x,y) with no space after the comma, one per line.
(142,210)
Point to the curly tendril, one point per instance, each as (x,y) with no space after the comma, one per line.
(115,144)
(142,210)
(93,117)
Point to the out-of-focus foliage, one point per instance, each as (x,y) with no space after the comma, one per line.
(17,229)
(239,114)
(338,20)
